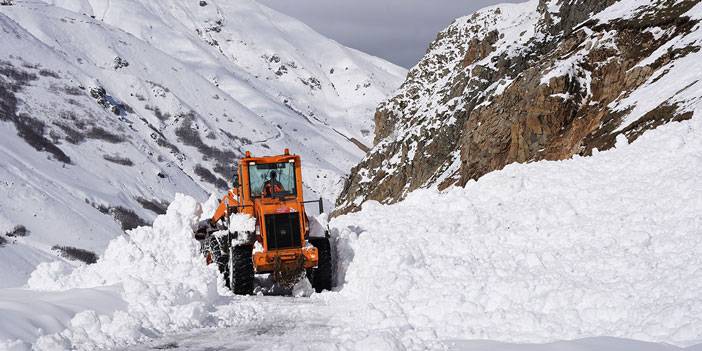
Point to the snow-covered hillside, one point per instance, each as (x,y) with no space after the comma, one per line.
(108,108)
(608,245)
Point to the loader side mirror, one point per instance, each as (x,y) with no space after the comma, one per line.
(235,181)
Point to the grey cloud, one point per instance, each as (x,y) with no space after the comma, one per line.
(397,30)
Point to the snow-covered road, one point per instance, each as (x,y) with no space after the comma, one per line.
(277,322)
(282,323)
(331,323)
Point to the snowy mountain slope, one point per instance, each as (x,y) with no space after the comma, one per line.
(109,108)
(541,80)
(607,245)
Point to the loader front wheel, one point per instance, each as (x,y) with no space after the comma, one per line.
(321,277)
(241,270)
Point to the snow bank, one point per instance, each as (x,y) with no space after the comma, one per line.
(605,245)
(158,272)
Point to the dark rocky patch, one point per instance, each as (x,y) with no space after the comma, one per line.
(153,205)
(49,73)
(170,345)
(120,63)
(108,102)
(102,134)
(313,83)
(282,70)
(189,135)
(75,254)
(18,231)
(18,76)
(101,208)
(118,160)
(241,140)
(72,135)
(157,85)
(32,131)
(162,142)
(74,91)
(98,92)
(207,176)
(157,112)
(127,218)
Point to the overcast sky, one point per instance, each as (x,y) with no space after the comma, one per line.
(397,30)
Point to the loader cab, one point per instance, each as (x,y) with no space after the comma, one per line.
(280,211)
(257,175)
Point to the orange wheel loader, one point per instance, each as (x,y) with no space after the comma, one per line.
(268,189)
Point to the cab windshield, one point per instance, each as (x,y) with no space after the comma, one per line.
(272,179)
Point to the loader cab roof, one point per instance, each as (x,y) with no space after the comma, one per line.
(286,156)
(259,173)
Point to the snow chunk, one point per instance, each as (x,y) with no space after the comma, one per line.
(241,222)
(303,288)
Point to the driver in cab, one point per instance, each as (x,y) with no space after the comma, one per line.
(272,186)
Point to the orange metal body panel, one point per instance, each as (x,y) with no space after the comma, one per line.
(266,261)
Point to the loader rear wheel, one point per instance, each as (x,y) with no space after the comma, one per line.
(321,277)
(242,271)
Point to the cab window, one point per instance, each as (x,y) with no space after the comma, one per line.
(272,179)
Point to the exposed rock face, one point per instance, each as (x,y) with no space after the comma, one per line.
(535,81)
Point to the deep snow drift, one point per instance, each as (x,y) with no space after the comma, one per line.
(158,272)
(151,281)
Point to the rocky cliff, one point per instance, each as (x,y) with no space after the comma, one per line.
(541,80)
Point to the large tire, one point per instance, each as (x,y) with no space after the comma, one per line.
(242,271)
(321,277)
